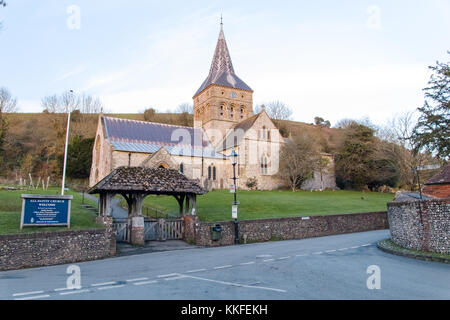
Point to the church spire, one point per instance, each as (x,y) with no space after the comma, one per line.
(222,71)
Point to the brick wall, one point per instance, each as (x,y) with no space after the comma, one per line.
(437,190)
(421,225)
(52,248)
(285,228)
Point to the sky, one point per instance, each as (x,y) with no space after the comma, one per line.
(333,59)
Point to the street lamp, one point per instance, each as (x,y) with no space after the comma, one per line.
(67,143)
(234,210)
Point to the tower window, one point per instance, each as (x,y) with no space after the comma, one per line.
(181,168)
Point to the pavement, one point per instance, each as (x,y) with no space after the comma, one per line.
(336,267)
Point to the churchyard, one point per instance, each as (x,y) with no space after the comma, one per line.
(216,205)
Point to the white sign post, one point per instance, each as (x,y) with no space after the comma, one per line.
(234,211)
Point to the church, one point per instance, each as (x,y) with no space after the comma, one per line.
(224,124)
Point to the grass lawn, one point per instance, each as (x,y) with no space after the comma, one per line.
(216,205)
(11,208)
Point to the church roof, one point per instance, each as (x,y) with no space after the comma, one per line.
(222,71)
(148,180)
(148,137)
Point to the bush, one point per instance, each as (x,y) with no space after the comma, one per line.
(252,183)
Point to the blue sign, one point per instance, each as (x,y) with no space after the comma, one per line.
(38,210)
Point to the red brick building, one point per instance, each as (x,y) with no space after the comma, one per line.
(439,185)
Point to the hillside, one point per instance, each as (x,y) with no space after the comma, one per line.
(35,141)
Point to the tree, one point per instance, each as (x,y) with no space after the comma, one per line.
(185,108)
(149,114)
(323,166)
(298,160)
(432,131)
(79,155)
(2,4)
(7,105)
(354,160)
(276,110)
(318,121)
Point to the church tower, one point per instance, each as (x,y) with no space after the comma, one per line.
(223,99)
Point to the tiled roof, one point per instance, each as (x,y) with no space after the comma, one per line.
(148,137)
(222,71)
(235,135)
(148,180)
(442,177)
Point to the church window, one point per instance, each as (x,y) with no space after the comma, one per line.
(264,165)
(182,168)
(264,133)
(214,173)
(209,173)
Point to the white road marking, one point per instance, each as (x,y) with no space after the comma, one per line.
(223,267)
(145,282)
(194,271)
(33,297)
(283,258)
(135,280)
(366,245)
(111,287)
(268,260)
(320,252)
(329,251)
(66,289)
(237,284)
(26,293)
(301,255)
(175,278)
(354,247)
(74,292)
(167,275)
(102,284)
(343,249)
(247,263)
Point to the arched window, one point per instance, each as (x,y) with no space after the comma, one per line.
(232,112)
(242,112)
(214,173)
(264,133)
(221,110)
(209,173)
(182,168)
(264,165)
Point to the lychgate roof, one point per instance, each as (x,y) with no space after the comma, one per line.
(147,180)
(222,71)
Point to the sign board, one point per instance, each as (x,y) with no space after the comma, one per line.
(234,212)
(45,211)
(232,188)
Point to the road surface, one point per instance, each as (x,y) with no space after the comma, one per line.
(334,267)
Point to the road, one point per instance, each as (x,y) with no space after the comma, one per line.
(333,267)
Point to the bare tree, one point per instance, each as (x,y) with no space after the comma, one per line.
(276,110)
(51,104)
(69,101)
(298,160)
(185,108)
(2,4)
(8,104)
(90,104)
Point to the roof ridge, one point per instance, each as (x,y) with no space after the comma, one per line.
(151,122)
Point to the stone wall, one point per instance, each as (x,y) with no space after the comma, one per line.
(52,248)
(421,225)
(284,228)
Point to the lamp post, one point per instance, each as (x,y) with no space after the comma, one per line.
(234,210)
(67,144)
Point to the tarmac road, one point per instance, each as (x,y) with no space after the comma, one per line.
(334,267)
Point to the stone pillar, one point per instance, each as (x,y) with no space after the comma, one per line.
(137,231)
(136,220)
